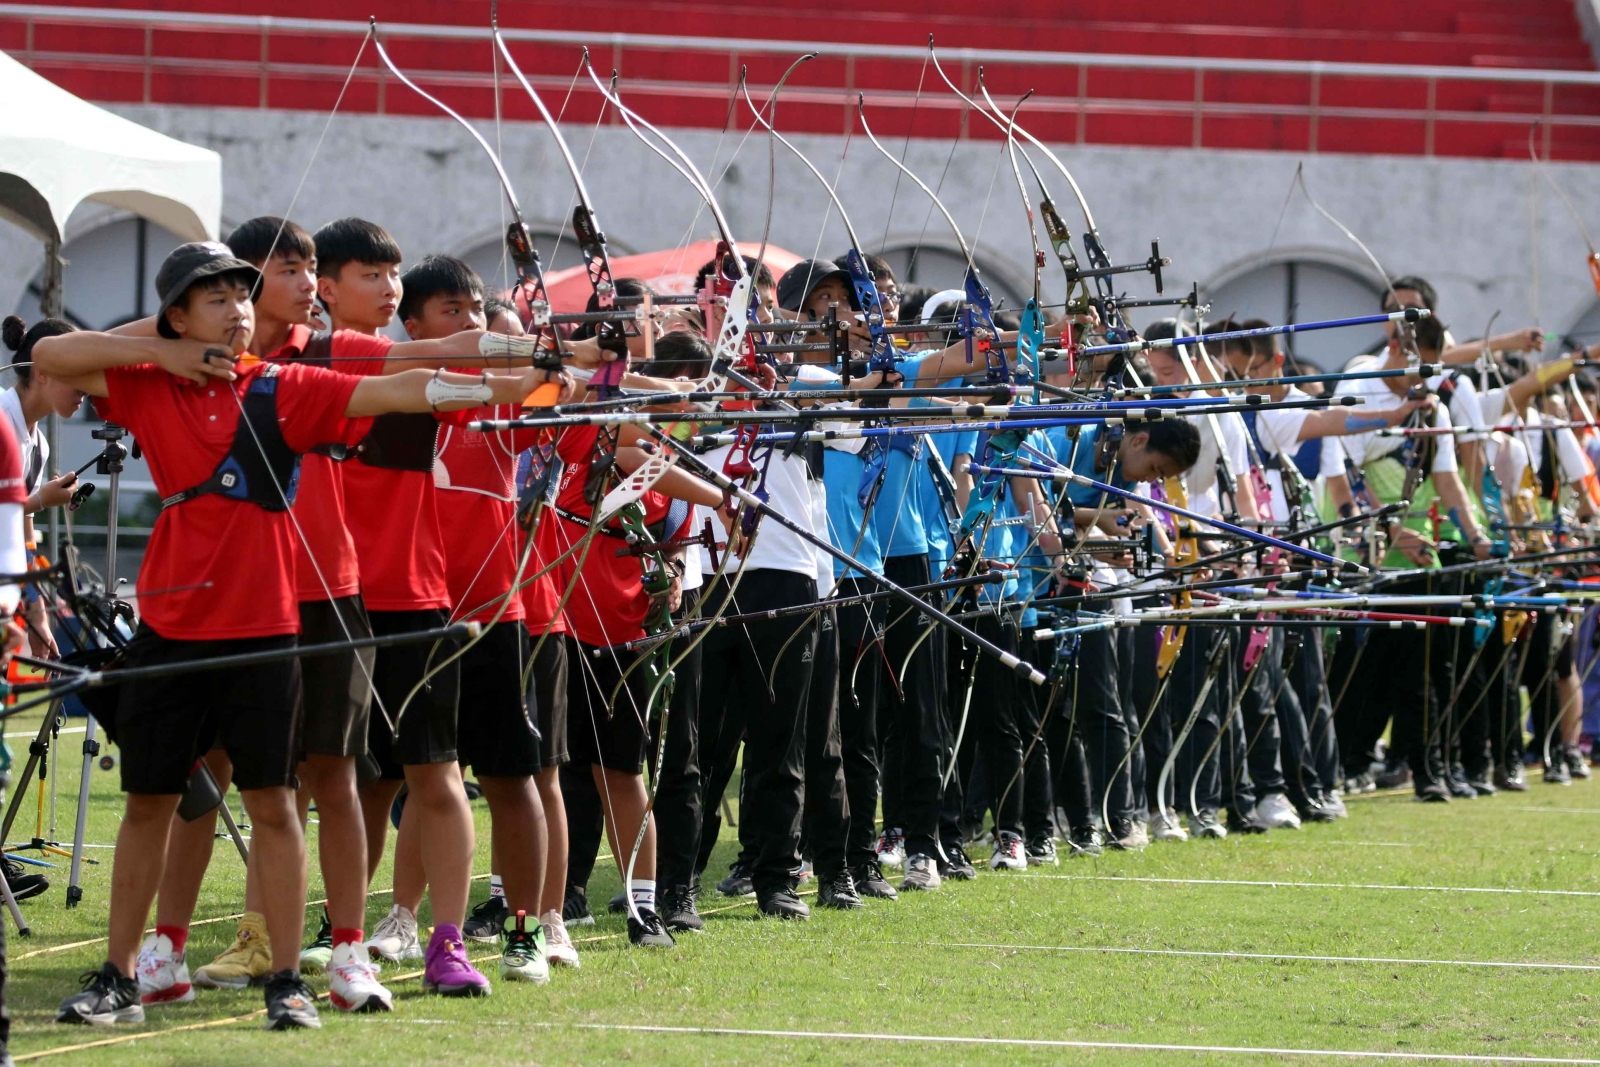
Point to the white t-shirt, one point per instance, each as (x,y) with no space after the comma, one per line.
(33,448)
(1362,447)
(789,493)
(1570,457)
(1279,432)
(1201,481)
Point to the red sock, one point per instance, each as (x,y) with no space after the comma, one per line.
(178,935)
(345,934)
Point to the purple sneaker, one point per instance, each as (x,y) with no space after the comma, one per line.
(448,972)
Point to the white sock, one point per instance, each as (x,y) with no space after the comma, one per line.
(644,893)
(496,887)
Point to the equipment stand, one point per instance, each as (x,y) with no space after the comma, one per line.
(109,464)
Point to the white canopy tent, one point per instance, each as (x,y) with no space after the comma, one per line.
(57,151)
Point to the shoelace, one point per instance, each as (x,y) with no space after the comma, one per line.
(522,944)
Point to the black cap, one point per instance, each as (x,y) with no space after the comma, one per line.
(191,263)
(800,280)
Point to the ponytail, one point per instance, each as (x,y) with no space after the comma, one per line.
(20,340)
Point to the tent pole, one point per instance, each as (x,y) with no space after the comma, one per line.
(52,305)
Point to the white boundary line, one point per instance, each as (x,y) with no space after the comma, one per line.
(1565,811)
(1024,1042)
(1513,965)
(1310,885)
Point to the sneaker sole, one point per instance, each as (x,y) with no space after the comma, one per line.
(372,1002)
(511,974)
(582,920)
(314,964)
(563,961)
(483,939)
(178,994)
(206,981)
(134,1013)
(469,990)
(402,957)
(293,1022)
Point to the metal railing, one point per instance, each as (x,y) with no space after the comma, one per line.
(613,47)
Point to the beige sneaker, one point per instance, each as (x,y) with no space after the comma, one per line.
(558,947)
(246,962)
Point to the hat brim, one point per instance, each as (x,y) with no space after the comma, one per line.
(837,272)
(212,269)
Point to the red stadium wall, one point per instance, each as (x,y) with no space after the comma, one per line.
(1293,110)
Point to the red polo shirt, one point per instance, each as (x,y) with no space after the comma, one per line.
(475,472)
(229,565)
(325,561)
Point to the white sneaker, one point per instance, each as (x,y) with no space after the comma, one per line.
(922,872)
(1008,853)
(163,975)
(558,946)
(1334,802)
(892,848)
(395,937)
(1276,813)
(1168,829)
(353,981)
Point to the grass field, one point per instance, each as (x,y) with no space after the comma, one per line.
(1354,937)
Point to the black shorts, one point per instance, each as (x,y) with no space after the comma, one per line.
(548,697)
(165,724)
(338,688)
(498,735)
(427,727)
(615,737)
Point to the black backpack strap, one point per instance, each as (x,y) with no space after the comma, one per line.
(405,442)
(260,467)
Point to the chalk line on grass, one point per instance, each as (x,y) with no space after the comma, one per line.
(1307,885)
(1025,1042)
(1519,965)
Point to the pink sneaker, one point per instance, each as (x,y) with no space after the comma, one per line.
(448,972)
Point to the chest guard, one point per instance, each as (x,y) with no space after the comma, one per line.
(404,442)
(260,467)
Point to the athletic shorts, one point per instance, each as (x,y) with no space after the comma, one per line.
(426,728)
(616,738)
(498,735)
(165,724)
(547,694)
(338,688)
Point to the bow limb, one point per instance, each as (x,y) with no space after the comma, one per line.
(977,321)
(519,241)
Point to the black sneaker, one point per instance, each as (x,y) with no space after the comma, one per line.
(1434,793)
(108,997)
(870,882)
(1311,810)
(738,883)
(1205,823)
(1394,775)
(575,908)
(290,1003)
(486,921)
(1511,779)
(647,931)
(1481,783)
(838,890)
(781,903)
(1041,850)
(1577,765)
(24,885)
(956,864)
(1555,772)
(678,911)
(1084,841)
(618,904)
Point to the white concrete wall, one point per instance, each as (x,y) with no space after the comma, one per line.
(1489,234)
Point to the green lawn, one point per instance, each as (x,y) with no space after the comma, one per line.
(1013,959)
